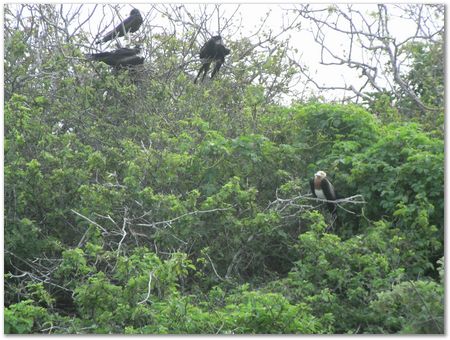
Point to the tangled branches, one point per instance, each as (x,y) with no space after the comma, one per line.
(290,207)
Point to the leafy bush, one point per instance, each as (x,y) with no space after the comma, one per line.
(339,277)
(141,203)
(411,307)
(402,175)
(25,318)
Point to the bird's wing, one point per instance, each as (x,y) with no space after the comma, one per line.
(119,30)
(98,56)
(203,51)
(127,23)
(328,189)
(311,185)
(106,57)
(125,52)
(134,23)
(108,36)
(207,48)
(131,60)
(221,52)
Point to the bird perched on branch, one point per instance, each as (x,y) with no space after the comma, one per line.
(322,188)
(212,51)
(129,25)
(121,57)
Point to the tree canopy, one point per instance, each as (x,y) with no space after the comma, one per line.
(138,202)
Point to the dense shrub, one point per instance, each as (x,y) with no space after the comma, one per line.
(141,203)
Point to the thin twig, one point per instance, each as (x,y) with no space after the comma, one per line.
(89,220)
(426,306)
(168,222)
(149,288)
(124,232)
(214,268)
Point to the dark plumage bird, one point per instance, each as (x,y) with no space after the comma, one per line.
(212,51)
(129,25)
(322,188)
(121,57)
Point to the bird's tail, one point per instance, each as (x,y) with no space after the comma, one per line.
(94,56)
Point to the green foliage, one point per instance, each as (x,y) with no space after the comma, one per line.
(381,104)
(339,277)
(24,318)
(426,78)
(411,307)
(142,203)
(73,267)
(402,176)
(97,298)
(37,293)
(268,313)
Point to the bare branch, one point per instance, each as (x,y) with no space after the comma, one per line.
(124,232)
(281,205)
(90,221)
(374,48)
(169,222)
(150,276)
(214,268)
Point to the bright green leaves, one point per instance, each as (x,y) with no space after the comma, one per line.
(73,268)
(315,221)
(255,312)
(335,122)
(38,293)
(243,312)
(350,272)
(97,298)
(141,201)
(24,318)
(138,282)
(402,175)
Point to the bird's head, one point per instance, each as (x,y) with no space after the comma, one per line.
(217,39)
(135,11)
(320,174)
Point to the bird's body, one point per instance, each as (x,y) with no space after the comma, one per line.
(129,25)
(212,51)
(121,57)
(319,193)
(322,188)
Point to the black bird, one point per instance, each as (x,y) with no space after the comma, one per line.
(129,25)
(212,51)
(322,188)
(121,57)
